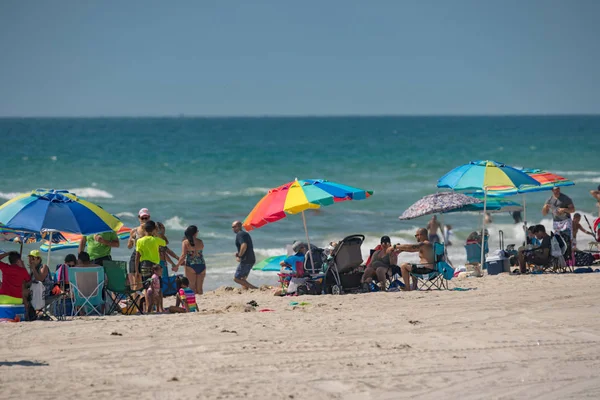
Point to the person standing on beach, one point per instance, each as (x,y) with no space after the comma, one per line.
(99,246)
(433,226)
(576,228)
(244,255)
(192,258)
(596,195)
(561,207)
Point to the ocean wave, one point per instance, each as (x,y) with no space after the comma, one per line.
(86,193)
(8,196)
(175,223)
(251,191)
(91,193)
(214,235)
(125,214)
(584,173)
(270,252)
(588,180)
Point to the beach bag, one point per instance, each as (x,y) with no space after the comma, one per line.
(556,250)
(583,259)
(37,295)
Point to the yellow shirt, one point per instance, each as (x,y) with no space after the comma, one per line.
(148,248)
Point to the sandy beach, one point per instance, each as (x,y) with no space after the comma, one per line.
(509,337)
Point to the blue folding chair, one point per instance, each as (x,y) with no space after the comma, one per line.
(474,252)
(441,274)
(87,289)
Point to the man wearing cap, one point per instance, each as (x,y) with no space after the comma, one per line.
(99,246)
(561,207)
(380,262)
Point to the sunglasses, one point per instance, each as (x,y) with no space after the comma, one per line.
(144,218)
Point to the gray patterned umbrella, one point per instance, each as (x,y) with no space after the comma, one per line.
(438,203)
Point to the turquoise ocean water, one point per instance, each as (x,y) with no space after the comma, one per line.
(211,171)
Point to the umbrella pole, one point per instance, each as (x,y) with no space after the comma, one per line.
(21,250)
(49,250)
(483,227)
(312,263)
(525,218)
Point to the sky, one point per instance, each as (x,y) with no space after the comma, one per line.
(283,57)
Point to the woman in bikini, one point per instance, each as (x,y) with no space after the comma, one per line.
(192,258)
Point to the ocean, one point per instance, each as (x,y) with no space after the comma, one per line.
(211,171)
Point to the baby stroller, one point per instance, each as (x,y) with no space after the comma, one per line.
(343,265)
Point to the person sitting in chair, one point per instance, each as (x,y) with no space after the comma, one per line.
(539,255)
(300,249)
(380,262)
(425,249)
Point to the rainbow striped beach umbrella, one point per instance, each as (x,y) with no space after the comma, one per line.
(298,196)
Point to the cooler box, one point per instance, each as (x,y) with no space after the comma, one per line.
(497,264)
(10,311)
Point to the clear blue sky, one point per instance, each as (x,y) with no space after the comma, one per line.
(279,57)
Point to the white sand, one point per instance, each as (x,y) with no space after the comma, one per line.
(514,337)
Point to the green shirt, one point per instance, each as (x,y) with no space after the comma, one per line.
(98,250)
(148,248)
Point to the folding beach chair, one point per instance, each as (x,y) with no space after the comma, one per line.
(87,287)
(119,287)
(441,274)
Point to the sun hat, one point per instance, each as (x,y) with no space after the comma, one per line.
(34,253)
(144,213)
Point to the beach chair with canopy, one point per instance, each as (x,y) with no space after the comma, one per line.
(119,287)
(441,273)
(87,287)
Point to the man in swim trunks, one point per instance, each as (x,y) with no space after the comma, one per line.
(380,262)
(425,249)
(244,255)
(433,226)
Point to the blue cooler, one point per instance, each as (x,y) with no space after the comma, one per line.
(11,311)
(497,264)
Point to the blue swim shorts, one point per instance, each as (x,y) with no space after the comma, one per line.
(243,270)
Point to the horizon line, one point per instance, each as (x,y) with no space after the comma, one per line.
(215,116)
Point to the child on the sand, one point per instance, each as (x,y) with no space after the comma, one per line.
(186,298)
(153,294)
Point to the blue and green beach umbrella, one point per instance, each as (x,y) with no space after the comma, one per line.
(48,210)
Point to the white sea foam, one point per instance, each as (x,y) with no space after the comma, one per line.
(585,173)
(91,193)
(8,196)
(86,193)
(214,235)
(175,223)
(588,180)
(125,214)
(251,191)
(270,252)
